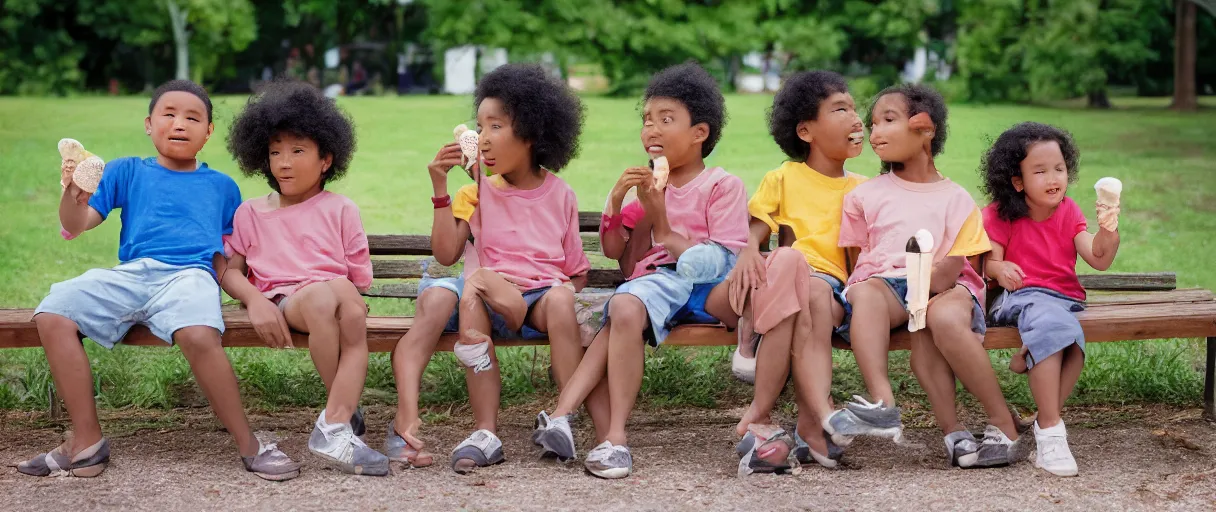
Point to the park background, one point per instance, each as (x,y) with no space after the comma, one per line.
(1127,77)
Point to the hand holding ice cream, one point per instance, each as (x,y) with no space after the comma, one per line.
(1109,191)
(79,166)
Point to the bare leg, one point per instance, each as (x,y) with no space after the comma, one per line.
(772,370)
(213,372)
(315,309)
(812,365)
(410,357)
(875,312)
(1070,371)
(626,357)
(937,379)
(1045,387)
(554,314)
(73,377)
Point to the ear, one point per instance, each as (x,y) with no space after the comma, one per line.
(326,163)
(924,124)
(210,130)
(804,131)
(1017,184)
(700,133)
(148,125)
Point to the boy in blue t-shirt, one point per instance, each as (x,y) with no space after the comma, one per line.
(175,213)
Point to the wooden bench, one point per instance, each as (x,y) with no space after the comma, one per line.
(1122,307)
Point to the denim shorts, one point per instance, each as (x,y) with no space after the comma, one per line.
(899,288)
(498,324)
(106,303)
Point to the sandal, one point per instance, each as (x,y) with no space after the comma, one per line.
(89,463)
(406,451)
(766,449)
(806,455)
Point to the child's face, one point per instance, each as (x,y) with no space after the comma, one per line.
(1044,176)
(837,131)
(501,151)
(667,130)
(891,136)
(297,164)
(178,125)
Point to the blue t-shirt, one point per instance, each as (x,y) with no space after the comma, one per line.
(174,217)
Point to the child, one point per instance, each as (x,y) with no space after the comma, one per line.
(908,129)
(702,216)
(299,256)
(524,220)
(175,213)
(815,122)
(1037,233)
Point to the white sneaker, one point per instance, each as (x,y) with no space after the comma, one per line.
(1051,451)
(338,443)
(482,448)
(609,461)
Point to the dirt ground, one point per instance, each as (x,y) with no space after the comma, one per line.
(1131,458)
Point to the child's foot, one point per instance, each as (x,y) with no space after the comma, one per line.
(961,449)
(862,418)
(403,447)
(338,443)
(482,448)
(609,461)
(89,463)
(997,449)
(554,436)
(806,454)
(271,464)
(1052,453)
(765,449)
(473,350)
(1017,363)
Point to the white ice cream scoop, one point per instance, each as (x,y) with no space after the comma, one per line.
(661,172)
(88,173)
(1109,190)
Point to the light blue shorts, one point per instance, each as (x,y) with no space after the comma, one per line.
(498,324)
(106,303)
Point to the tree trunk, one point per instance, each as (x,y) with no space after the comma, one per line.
(181,39)
(1098,99)
(1185,97)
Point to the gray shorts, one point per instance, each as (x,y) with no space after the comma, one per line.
(106,303)
(1045,319)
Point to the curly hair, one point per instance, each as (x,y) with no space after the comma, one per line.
(798,101)
(920,98)
(293,107)
(1003,162)
(543,110)
(183,86)
(691,85)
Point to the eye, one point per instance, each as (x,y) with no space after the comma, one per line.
(496,126)
(273,153)
(298,150)
(192,119)
(667,119)
(168,115)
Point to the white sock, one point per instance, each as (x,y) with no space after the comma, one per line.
(1057,430)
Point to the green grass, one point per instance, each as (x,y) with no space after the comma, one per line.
(1169,212)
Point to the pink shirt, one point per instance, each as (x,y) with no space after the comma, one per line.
(287,248)
(529,236)
(1046,251)
(881,214)
(713,206)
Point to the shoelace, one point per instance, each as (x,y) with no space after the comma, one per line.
(865,404)
(600,453)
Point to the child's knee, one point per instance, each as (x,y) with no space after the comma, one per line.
(627,311)
(785,257)
(352,309)
(197,338)
(822,294)
(950,313)
(320,304)
(559,300)
(435,302)
(51,325)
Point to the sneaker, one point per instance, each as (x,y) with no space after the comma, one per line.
(997,449)
(357,424)
(482,448)
(806,455)
(338,443)
(271,464)
(862,418)
(554,436)
(961,449)
(89,463)
(1051,451)
(609,461)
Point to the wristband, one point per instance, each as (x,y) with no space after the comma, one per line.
(442,202)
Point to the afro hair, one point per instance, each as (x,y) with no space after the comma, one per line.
(691,85)
(920,98)
(297,108)
(183,86)
(543,111)
(1003,162)
(798,101)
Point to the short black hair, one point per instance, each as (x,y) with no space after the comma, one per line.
(293,107)
(1003,161)
(183,86)
(543,110)
(798,101)
(691,85)
(920,98)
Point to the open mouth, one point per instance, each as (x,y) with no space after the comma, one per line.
(487,160)
(856,138)
(654,149)
(178,139)
(1054,191)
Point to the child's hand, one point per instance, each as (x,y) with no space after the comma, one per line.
(749,272)
(66,168)
(653,201)
(632,177)
(1108,217)
(448,157)
(269,323)
(79,196)
(1009,275)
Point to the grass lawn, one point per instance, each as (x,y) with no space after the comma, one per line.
(1164,159)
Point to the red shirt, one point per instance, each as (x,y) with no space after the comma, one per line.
(1045,250)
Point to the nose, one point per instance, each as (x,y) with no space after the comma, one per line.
(649,129)
(282,161)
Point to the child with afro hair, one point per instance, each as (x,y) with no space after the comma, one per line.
(299,257)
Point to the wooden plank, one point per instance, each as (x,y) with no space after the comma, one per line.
(589,222)
(1138,282)
(1101,298)
(410,269)
(394,291)
(399,245)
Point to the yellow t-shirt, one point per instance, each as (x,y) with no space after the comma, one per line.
(465,202)
(810,204)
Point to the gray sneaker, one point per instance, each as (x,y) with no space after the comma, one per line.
(482,448)
(272,464)
(998,450)
(357,424)
(806,455)
(862,418)
(961,449)
(337,443)
(89,463)
(609,461)
(554,436)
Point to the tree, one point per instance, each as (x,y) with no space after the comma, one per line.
(1185,44)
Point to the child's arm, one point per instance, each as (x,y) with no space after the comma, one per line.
(1098,250)
(265,316)
(1006,273)
(75,214)
(357,251)
(612,238)
(945,273)
(575,265)
(448,233)
(638,245)
(749,270)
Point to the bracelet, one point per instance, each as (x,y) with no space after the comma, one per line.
(442,202)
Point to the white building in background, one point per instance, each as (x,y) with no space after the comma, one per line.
(460,70)
(923,62)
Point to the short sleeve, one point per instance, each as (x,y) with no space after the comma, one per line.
(356,249)
(854,232)
(971,239)
(576,262)
(465,202)
(238,242)
(999,230)
(112,191)
(1075,222)
(727,214)
(632,213)
(767,199)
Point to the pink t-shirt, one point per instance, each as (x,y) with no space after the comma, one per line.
(530,237)
(881,214)
(1045,250)
(713,206)
(287,248)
